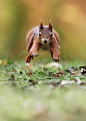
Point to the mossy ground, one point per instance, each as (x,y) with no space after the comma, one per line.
(35,92)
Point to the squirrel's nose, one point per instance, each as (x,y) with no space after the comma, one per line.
(45,41)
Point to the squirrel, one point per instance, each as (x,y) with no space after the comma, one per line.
(42,35)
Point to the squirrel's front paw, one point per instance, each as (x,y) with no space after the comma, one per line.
(56,59)
(28,58)
(35,54)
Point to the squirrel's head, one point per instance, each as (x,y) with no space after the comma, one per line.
(45,33)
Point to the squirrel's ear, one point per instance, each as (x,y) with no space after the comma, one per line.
(50,26)
(41,26)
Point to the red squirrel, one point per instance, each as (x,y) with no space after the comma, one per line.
(42,36)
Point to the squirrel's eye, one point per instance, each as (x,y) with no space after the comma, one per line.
(51,35)
(39,34)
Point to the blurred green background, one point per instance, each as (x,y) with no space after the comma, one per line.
(19,16)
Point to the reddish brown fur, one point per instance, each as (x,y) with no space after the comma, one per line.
(34,41)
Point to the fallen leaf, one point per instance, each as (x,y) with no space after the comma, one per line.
(15,70)
(12,76)
(75,73)
(61,71)
(57,75)
(74,68)
(29,74)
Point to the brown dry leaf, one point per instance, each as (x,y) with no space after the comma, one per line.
(15,70)
(71,69)
(75,73)
(29,74)
(61,71)
(12,76)
(74,68)
(57,75)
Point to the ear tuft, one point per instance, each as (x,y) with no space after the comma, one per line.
(50,26)
(41,26)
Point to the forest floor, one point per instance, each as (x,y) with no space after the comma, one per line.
(42,91)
